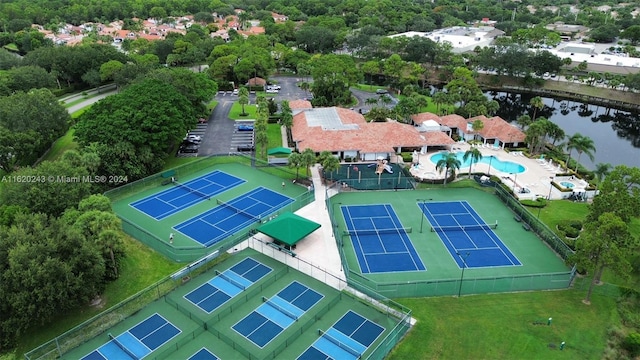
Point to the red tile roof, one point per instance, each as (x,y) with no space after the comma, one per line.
(375,137)
(494,128)
(300,104)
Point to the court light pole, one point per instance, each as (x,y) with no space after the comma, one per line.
(422,201)
(464,266)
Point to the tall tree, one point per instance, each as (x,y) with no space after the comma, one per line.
(243,99)
(605,243)
(537,104)
(448,163)
(308,159)
(583,144)
(287,115)
(475,155)
(295,161)
(329,162)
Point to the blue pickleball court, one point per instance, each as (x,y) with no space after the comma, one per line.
(277,313)
(347,339)
(137,342)
(227,284)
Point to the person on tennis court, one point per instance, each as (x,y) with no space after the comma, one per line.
(171,238)
(283,184)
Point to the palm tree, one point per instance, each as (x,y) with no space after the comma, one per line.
(287,114)
(329,162)
(475,155)
(492,107)
(536,103)
(308,159)
(570,145)
(243,99)
(584,144)
(295,162)
(524,121)
(371,101)
(601,172)
(449,161)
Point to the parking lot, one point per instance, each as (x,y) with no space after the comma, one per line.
(221,135)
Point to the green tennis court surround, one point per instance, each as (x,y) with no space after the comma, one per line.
(540,267)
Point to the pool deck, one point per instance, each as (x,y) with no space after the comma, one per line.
(536,177)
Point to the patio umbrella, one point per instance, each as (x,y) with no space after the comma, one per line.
(279,151)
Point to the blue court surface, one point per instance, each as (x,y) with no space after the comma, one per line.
(217,291)
(277,313)
(203,354)
(379,240)
(172,200)
(458,219)
(139,341)
(226,219)
(347,339)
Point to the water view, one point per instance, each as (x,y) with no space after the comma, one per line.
(615,133)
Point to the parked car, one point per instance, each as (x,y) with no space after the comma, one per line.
(246,147)
(272,91)
(381,91)
(245,127)
(235,92)
(188,148)
(193,138)
(274,87)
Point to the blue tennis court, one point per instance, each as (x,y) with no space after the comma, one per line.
(347,339)
(170,201)
(463,231)
(277,313)
(137,342)
(222,288)
(203,354)
(380,242)
(224,220)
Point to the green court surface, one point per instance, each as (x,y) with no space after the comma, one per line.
(214,331)
(155,233)
(541,267)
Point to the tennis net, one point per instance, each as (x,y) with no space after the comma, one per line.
(279,308)
(237,210)
(230,280)
(377,231)
(122,347)
(191,190)
(340,344)
(464,227)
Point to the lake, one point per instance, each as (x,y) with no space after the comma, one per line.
(615,133)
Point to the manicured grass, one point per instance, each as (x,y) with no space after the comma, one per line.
(236,109)
(558,211)
(173,161)
(274,139)
(141,268)
(368,88)
(76,101)
(60,146)
(212,105)
(500,326)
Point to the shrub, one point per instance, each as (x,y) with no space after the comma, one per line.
(569,231)
(632,343)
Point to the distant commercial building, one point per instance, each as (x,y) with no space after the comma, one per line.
(462,38)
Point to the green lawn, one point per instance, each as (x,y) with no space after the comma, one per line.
(236,109)
(60,146)
(500,326)
(76,101)
(368,88)
(212,105)
(274,139)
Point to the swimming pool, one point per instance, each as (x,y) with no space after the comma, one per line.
(503,166)
(567,184)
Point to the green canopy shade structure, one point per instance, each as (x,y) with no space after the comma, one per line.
(279,151)
(289,228)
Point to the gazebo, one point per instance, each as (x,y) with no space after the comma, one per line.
(287,230)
